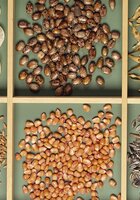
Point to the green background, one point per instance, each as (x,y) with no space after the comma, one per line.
(3,171)
(113,82)
(133,112)
(3,48)
(23,112)
(132,84)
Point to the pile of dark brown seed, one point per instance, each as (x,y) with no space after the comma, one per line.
(63,32)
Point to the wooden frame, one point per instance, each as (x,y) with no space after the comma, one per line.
(123,100)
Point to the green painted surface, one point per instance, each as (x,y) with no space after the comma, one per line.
(133,112)
(113,82)
(3,171)
(133,85)
(3,48)
(22,112)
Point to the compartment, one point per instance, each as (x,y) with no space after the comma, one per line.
(133,112)
(3,170)
(113,81)
(133,85)
(3,49)
(23,112)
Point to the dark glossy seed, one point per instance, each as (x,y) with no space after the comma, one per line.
(84,60)
(41,1)
(106,70)
(77,81)
(40,7)
(92,53)
(106,28)
(59,91)
(116,55)
(111,44)
(37,48)
(83,71)
(23,24)
(20,45)
(37,70)
(28,31)
(112,4)
(29,8)
(76,60)
(103,11)
(23,60)
(100,81)
(23,74)
(109,62)
(87,80)
(115,35)
(92,67)
(29,78)
(39,79)
(100,62)
(55,83)
(47,70)
(37,28)
(32,64)
(32,41)
(104,51)
(36,16)
(68,89)
(34,87)
(27,49)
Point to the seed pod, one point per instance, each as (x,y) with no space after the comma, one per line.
(106,70)
(32,64)
(20,45)
(68,89)
(116,55)
(104,51)
(28,31)
(112,4)
(23,24)
(34,87)
(37,28)
(23,60)
(100,80)
(100,62)
(109,62)
(36,16)
(29,8)
(92,67)
(115,35)
(23,74)
(29,78)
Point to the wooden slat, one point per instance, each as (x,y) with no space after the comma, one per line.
(96,100)
(134,100)
(10,153)
(3,99)
(124,99)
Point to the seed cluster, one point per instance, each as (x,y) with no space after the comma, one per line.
(134,154)
(3,144)
(64,32)
(134,54)
(77,157)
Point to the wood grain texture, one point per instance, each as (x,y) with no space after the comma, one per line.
(96,100)
(124,99)
(10,141)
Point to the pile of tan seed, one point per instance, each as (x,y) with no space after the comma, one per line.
(76,158)
(3,143)
(64,31)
